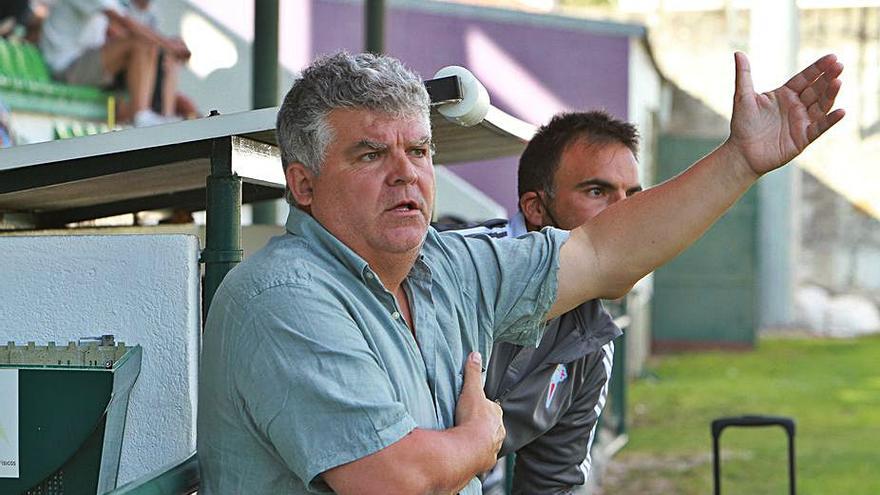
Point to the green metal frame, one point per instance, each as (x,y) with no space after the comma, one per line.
(265,81)
(374,22)
(72,423)
(617,392)
(223,222)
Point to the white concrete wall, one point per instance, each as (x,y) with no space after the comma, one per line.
(647,105)
(144,289)
(457,197)
(647,108)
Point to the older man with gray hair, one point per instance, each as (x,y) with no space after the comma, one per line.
(345,355)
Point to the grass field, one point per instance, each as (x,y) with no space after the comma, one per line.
(830,387)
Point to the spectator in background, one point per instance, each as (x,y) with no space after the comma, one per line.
(167,100)
(26,13)
(13,12)
(78,51)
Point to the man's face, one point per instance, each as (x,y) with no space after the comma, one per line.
(375,191)
(590,178)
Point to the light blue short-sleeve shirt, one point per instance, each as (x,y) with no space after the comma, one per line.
(307,363)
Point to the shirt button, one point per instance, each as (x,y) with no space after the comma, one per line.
(369,275)
(395,315)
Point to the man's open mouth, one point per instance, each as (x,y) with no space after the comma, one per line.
(406,206)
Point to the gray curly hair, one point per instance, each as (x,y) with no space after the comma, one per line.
(343,80)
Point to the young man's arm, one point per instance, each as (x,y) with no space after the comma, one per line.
(431,461)
(605,257)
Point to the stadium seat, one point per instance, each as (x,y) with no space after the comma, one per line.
(26,85)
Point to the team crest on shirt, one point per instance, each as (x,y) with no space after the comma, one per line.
(559,376)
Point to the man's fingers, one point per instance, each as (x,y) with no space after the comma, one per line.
(813,93)
(819,127)
(473,381)
(743,84)
(804,78)
(819,89)
(821,105)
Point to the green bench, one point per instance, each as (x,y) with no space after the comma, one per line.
(26,85)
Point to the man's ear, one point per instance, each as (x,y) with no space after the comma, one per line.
(300,182)
(532,209)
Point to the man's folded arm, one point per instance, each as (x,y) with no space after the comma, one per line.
(425,461)
(431,461)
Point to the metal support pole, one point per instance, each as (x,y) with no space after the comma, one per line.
(265,81)
(265,53)
(223,219)
(618,385)
(374,26)
(509,466)
(775,25)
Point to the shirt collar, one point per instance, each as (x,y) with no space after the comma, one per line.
(302,224)
(517,225)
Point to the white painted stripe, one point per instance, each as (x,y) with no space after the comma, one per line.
(607,362)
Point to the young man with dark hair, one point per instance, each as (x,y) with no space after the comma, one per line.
(574,167)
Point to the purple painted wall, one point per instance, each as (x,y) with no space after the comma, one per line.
(531,71)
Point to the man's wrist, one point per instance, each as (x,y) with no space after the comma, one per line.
(476,440)
(736,162)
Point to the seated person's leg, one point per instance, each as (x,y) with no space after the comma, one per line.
(167,100)
(88,70)
(138,60)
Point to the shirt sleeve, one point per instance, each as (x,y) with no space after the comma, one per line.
(513,280)
(311,384)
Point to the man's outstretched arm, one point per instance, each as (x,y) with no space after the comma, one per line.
(431,461)
(606,256)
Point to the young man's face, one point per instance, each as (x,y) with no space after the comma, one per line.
(375,191)
(590,178)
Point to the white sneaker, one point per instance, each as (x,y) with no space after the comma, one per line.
(147,118)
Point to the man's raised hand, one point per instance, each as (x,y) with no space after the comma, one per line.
(770,129)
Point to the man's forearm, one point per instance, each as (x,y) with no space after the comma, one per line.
(139,30)
(425,461)
(630,239)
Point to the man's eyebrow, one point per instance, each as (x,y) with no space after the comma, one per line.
(593,181)
(424,141)
(366,145)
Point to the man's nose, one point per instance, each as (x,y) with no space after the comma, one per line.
(616,195)
(403,170)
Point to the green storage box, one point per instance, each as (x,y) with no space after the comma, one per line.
(71,403)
